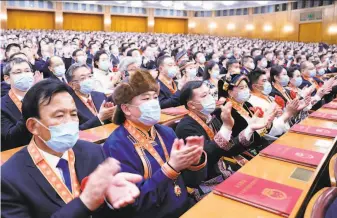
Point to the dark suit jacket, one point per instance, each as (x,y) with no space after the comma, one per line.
(5,87)
(13,128)
(200,72)
(114,60)
(87,119)
(26,193)
(166,98)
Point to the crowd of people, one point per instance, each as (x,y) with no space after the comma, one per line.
(241,95)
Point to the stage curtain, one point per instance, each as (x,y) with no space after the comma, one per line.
(128,24)
(82,22)
(310,32)
(21,19)
(170,25)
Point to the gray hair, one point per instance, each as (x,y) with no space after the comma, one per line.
(9,65)
(125,62)
(72,68)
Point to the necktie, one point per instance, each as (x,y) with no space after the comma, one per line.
(63,80)
(63,165)
(90,103)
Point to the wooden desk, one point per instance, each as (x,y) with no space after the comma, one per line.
(5,155)
(102,132)
(273,170)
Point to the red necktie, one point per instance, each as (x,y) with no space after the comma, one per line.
(90,103)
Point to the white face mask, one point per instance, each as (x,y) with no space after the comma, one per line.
(150,112)
(23,81)
(243,96)
(208,105)
(264,64)
(59,71)
(191,73)
(215,74)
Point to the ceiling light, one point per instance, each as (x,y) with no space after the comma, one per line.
(228,2)
(121,2)
(107,21)
(195,3)
(212,25)
(267,28)
(151,1)
(166,3)
(333,29)
(262,2)
(288,28)
(231,26)
(151,23)
(91,2)
(191,25)
(207,5)
(178,6)
(250,27)
(4,17)
(136,3)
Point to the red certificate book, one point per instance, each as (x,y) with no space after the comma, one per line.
(316,131)
(85,136)
(264,194)
(324,116)
(331,105)
(174,111)
(293,155)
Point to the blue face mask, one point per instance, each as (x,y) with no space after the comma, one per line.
(284,80)
(150,112)
(23,81)
(243,96)
(215,74)
(59,71)
(171,72)
(321,72)
(312,73)
(104,65)
(191,73)
(298,81)
(266,88)
(208,105)
(87,86)
(62,137)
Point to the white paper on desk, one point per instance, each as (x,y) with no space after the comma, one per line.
(323,143)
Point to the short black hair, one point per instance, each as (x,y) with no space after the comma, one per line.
(230,62)
(246,58)
(40,93)
(291,71)
(75,52)
(129,53)
(9,46)
(208,66)
(195,54)
(253,50)
(275,71)
(9,65)
(98,55)
(17,53)
(161,60)
(186,93)
(254,76)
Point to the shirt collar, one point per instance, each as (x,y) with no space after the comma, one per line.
(19,97)
(53,160)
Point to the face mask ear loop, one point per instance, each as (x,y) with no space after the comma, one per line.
(44,127)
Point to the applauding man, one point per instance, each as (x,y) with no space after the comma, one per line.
(46,178)
(152,150)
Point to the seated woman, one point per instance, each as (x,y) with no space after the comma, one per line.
(237,92)
(144,147)
(211,77)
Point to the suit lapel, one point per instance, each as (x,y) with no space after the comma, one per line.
(14,111)
(36,175)
(81,163)
(97,100)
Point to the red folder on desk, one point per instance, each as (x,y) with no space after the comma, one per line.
(324,116)
(85,136)
(264,194)
(331,105)
(174,111)
(293,155)
(316,131)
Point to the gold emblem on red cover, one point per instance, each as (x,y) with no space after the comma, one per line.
(303,155)
(274,194)
(177,190)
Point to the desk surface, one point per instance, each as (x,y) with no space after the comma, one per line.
(274,170)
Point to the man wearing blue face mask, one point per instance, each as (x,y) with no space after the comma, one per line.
(19,75)
(152,150)
(218,143)
(63,176)
(56,66)
(169,92)
(92,108)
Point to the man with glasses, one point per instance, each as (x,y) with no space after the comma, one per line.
(19,75)
(92,107)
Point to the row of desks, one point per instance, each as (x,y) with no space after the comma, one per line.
(101,133)
(278,171)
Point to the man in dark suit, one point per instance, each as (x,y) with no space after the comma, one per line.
(92,108)
(13,130)
(57,68)
(169,93)
(43,179)
(114,57)
(200,59)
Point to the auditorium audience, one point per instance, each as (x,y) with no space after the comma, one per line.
(240,94)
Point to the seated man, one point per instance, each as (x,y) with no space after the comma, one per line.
(19,75)
(57,68)
(43,179)
(169,93)
(147,148)
(92,108)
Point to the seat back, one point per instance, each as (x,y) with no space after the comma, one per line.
(333,170)
(320,202)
